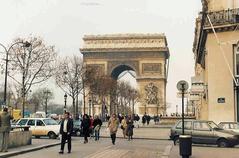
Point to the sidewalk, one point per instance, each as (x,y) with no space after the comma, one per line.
(37,144)
(201,151)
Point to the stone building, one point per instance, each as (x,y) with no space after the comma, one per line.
(145,54)
(217,60)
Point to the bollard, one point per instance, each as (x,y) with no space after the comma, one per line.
(185,146)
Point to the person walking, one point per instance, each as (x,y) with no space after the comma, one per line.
(130,127)
(124,126)
(148,118)
(113,127)
(91,129)
(85,125)
(97,123)
(5,128)
(144,118)
(66,129)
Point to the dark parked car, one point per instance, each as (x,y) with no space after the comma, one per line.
(77,128)
(205,132)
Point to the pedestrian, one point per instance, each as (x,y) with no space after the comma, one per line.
(124,126)
(155,119)
(148,118)
(130,127)
(144,118)
(66,129)
(113,127)
(137,118)
(91,127)
(5,123)
(85,125)
(97,123)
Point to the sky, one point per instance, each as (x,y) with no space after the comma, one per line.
(63,23)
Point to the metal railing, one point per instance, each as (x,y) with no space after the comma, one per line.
(223,17)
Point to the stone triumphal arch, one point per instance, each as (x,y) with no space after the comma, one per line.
(146,54)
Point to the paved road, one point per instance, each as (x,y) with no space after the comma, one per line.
(150,133)
(104,149)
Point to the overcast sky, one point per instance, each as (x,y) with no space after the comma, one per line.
(64,22)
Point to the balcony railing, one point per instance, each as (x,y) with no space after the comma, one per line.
(223,17)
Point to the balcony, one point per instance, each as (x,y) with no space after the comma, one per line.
(223,17)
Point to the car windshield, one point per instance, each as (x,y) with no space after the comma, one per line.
(213,125)
(50,122)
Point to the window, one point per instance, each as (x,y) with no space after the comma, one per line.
(202,126)
(235,126)
(22,122)
(236,60)
(225,126)
(179,125)
(187,125)
(40,123)
(50,122)
(31,123)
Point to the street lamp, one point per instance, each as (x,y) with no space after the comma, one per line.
(25,44)
(65,98)
(46,97)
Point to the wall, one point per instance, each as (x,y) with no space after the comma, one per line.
(19,138)
(220,82)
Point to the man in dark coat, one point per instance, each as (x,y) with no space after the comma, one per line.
(66,129)
(130,127)
(85,125)
(5,128)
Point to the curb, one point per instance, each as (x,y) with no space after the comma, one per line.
(14,153)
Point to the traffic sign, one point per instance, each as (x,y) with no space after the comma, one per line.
(182,85)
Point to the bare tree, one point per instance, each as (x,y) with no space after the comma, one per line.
(69,78)
(32,65)
(40,98)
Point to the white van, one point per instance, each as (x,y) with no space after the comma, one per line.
(41,126)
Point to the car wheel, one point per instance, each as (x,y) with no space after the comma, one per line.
(176,140)
(52,135)
(78,133)
(222,143)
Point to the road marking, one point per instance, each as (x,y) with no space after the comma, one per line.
(167,151)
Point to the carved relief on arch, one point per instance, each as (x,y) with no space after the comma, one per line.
(151,94)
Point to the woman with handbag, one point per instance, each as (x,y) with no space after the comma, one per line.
(113,127)
(124,126)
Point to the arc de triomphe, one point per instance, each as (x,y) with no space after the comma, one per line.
(146,54)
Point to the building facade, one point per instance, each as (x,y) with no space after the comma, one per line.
(216,60)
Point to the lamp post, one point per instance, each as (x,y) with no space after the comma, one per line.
(25,44)
(90,107)
(65,98)
(46,95)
